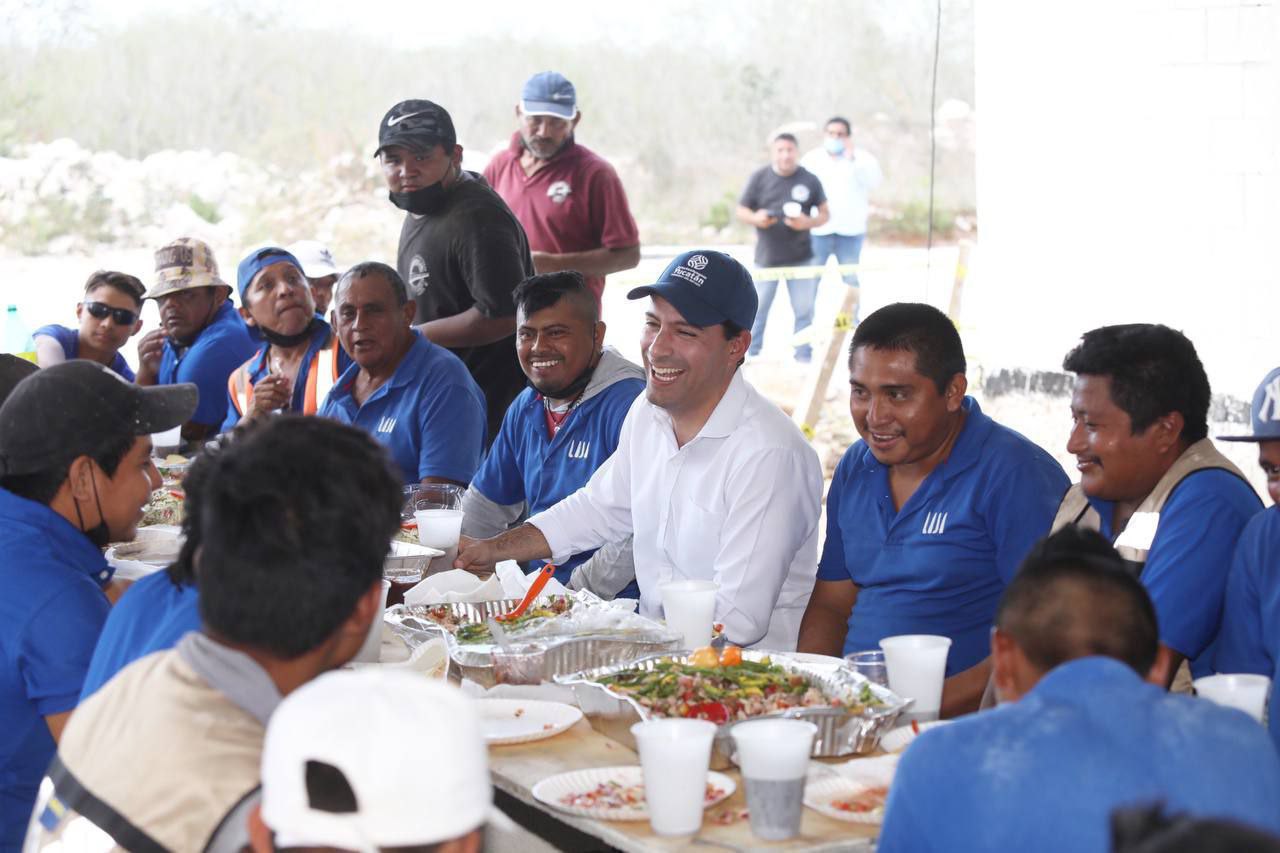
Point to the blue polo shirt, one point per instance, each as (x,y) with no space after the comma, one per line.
(69,340)
(429,414)
(51,611)
(1044,773)
(1250,638)
(940,564)
(151,616)
(525,466)
(321,337)
(220,348)
(1186,568)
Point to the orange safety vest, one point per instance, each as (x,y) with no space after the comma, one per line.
(321,376)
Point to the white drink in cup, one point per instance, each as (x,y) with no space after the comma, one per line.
(1243,691)
(439,528)
(167,441)
(917,665)
(675,755)
(690,608)
(371,651)
(774,757)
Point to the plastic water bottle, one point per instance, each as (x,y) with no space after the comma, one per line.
(17,338)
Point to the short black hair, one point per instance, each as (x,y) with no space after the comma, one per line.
(784,137)
(917,328)
(1154,370)
(42,486)
(182,571)
(1073,597)
(376,268)
(848,128)
(295,520)
(123,282)
(542,291)
(1148,828)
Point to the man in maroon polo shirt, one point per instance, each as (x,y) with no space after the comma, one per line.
(568,199)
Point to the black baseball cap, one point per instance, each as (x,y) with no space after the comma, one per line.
(419,125)
(78,407)
(707,288)
(12,371)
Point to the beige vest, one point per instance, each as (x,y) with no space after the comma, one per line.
(165,750)
(1134,543)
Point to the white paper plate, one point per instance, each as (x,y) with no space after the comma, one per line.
(901,737)
(554,788)
(820,795)
(506,721)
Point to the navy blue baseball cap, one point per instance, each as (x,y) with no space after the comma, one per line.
(417,125)
(548,93)
(707,288)
(257,261)
(1265,411)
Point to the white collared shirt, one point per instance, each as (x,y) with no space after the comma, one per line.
(848,184)
(738,505)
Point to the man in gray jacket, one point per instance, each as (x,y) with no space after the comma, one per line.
(558,432)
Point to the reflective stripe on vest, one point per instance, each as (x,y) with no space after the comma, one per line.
(240,388)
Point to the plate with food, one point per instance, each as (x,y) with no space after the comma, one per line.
(847,799)
(900,738)
(509,721)
(614,793)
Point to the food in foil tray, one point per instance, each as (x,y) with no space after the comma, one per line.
(166,507)
(722,687)
(478,632)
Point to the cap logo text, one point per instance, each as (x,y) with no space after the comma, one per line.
(1269,408)
(175,256)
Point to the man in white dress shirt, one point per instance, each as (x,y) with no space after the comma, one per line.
(848,176)
(713,481)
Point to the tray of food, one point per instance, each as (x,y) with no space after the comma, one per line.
(565,633)
(733,685)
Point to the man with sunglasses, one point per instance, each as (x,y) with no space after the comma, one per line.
(108,318)
(568,199)
(201,338)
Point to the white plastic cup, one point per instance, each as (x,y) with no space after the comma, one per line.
(1244,691)
(774,757)
(917,665)
(170,439)
(371,651)
(690,608)
(439,528)
(675,755)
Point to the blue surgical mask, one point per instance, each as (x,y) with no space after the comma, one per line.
(833,144)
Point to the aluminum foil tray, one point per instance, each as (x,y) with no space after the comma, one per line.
(839,732)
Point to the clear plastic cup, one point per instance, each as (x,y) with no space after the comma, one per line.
(774,757)
(371,651)
(675,755)
(1246,692)
(438,512)
(870,665)
(690,608)
(917,666)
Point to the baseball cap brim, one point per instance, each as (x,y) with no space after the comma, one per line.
(685,300)
(549,108)
(163,407)
(164,288)
(414,141)
(1253,438)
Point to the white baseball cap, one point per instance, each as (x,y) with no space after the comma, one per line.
(409,748)
(316,259)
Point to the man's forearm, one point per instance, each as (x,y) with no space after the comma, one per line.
(468,329)
(522,544)
(822,632)
(962,692)
(596,262)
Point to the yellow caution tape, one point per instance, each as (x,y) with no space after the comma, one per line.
(808,432)
(844,322)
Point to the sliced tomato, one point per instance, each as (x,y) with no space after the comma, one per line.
(714,712)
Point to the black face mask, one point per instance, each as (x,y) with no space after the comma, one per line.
(99,534)
(286,341)
(574,389)
(424,201)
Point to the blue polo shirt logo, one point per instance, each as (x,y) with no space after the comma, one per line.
(386,424)
(579,449)
(934,523)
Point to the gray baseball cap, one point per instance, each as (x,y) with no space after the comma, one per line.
(1265,411)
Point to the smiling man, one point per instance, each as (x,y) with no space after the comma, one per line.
(75,473)
(712,480)
(930,513)
(462,251)
(201,338)
(560,430)
(568,198)
(301,360)
(409,394)
(1152,482)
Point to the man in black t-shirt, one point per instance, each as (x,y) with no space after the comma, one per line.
(461,252)
(783,201)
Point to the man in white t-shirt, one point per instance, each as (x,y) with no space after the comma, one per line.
(711,479)
(848,176)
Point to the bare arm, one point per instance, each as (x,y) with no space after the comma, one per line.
(48,351)
(758,218)
(962,692)
(56,723)
(468,329)
(826,618)
(1166,666)
(600,261)
(523,543)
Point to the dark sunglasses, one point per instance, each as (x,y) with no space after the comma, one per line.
(120,316)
